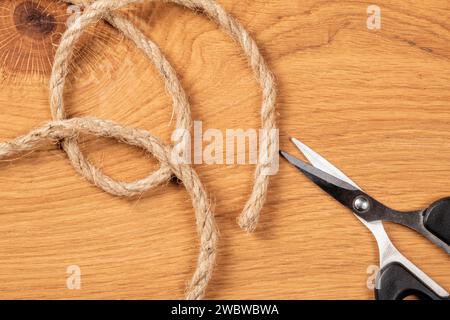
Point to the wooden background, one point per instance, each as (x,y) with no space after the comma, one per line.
(375,103)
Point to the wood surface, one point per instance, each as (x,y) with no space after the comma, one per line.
(374,102)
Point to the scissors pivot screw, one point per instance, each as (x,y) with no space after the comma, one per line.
(361,204)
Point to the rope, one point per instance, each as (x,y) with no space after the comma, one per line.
(66,131)
(96,10)
(69,130)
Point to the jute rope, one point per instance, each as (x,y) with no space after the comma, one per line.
(96,10)
(69,129)
(175,90)
(204,218)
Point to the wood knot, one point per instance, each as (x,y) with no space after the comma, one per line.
(33,20)
(30,31)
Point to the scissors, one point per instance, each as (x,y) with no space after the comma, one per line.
(398,277)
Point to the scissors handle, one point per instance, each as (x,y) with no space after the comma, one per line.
(396,282)
(433,223)
(437,219)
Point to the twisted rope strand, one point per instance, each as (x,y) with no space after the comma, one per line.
(96,10)
(70,129)
(67,130)
(173,86)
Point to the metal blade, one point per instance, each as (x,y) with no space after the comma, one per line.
(320,163)
(313,173)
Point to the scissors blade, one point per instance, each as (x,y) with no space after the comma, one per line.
(321,163)
(340,190)
(317,175)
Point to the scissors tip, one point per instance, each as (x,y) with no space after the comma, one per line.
(284,154)
(300,145)
(287,156)
(293,160)
(294,140)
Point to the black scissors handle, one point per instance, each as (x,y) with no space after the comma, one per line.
(396,282)
(437,219)
(433,222)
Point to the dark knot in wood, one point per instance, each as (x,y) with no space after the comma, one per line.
(33,20)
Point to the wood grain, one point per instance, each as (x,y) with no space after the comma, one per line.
(376,103)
